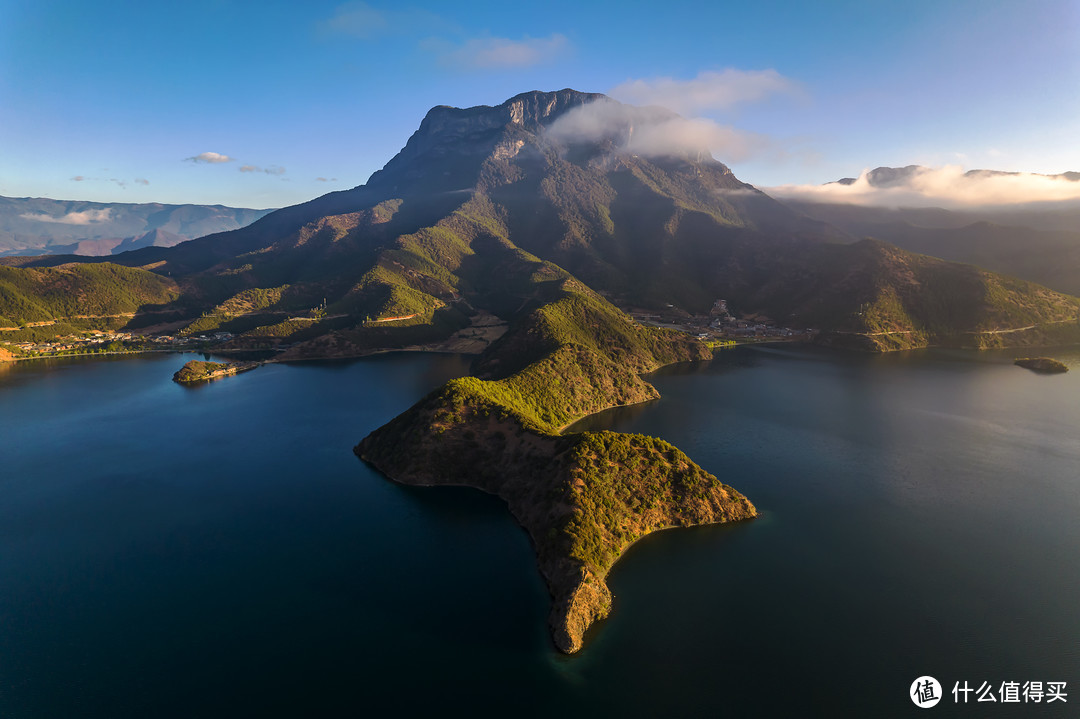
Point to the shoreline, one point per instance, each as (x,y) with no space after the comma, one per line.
(578,602)
(434,349)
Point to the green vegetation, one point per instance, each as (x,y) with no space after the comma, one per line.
(582,497)
(9,352)
(198,371)
(78,290)
(629,485)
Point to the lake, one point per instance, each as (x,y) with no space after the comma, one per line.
(219,551)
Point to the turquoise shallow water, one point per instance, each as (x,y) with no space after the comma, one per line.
(219,551)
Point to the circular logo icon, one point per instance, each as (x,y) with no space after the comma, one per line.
(925,692)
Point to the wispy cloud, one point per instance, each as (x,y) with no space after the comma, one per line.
(709,91)
(949,186)
(86,217)
(209,157)
(121,183)
(654,132)
(324,179)
(501,52)
(649,125)
(357,19)
(362,21)
(272,170)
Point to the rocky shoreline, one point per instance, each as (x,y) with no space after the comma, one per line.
(197,371)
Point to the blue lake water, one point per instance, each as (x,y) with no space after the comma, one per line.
(219,551)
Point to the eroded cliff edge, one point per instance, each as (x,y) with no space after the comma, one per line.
(583,497)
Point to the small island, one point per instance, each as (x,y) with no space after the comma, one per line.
(1042,365)
(197,371)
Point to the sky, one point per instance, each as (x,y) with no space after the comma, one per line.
(267,104)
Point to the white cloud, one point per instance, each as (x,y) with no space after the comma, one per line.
(86,217)
(949,186)
(708,91)
(272,170)
(78,178)
(500,52)
(141,181)
(325,179)
(654,132)
(211,157)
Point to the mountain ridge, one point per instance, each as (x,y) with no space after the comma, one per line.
(893,176)
(44,226)
(552,174)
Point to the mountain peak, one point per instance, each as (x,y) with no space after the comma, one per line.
(531,110)
(536,108)
(452,139)
(885,176)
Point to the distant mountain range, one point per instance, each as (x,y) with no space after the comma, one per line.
(40,226)
(1036,241)
(900,176)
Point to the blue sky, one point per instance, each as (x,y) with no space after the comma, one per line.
(304,98)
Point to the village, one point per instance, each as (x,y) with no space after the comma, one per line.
(720,327)
(105,342)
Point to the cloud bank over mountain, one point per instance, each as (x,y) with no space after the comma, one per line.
(949,187)
(654,132)
(86,217)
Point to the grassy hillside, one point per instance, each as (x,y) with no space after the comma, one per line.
(874,296)
(71,291)
(1040,245)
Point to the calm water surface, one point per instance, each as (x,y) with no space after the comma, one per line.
(218,551)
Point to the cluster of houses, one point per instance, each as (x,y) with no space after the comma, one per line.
(95,339)
(181,340)
(720,324)
(728,327)
(64,344)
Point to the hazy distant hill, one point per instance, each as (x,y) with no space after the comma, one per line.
(900,176)
(1037,241)
(40,226)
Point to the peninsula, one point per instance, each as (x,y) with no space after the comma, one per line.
(583,497)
